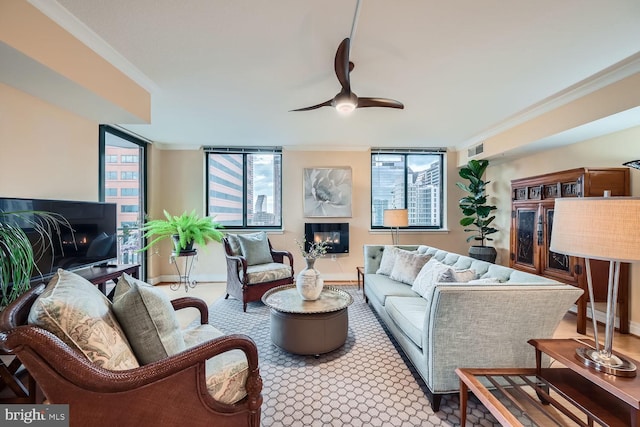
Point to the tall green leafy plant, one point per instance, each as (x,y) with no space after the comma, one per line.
(189,228)
(19,255)
(476,211)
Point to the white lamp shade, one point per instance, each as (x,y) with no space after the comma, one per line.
(605,228)
(396,218)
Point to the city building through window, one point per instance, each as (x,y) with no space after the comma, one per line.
(409,180)
(244,187)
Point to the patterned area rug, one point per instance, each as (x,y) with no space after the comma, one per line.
(367,382)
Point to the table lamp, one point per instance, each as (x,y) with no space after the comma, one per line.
(395,218)
(602,228)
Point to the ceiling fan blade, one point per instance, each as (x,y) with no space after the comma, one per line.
(343,66)
(379,102)
(313,107)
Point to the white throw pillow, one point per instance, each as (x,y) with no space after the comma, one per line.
(388,260)
(484,280)
(407,266)
(433,272)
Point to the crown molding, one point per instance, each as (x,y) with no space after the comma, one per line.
(61,16)
(616,72)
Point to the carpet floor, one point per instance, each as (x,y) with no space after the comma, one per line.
(367,382)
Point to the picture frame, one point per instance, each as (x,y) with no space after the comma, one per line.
(327,192)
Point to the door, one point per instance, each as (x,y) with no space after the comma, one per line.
(524,255)
(122,181)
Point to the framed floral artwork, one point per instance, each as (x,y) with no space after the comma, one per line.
(327,192)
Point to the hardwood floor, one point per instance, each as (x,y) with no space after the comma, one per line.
(627,344)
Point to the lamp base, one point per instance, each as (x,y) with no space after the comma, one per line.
(598,360)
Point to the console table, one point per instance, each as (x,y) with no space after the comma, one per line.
(101,275)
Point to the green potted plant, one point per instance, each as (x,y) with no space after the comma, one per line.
(18,258)
(185,230)
(476,211)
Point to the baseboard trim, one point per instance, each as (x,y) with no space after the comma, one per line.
(601,316)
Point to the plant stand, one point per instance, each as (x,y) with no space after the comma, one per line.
(184,275)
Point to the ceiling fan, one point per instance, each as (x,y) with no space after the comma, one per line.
(347,101)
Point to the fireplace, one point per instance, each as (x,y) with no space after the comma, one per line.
(336,234)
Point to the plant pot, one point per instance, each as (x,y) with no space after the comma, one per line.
(176,245)
(483,253)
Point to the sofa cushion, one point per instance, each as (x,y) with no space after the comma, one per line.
(408,313)
(388,260)
(266,272)
(74,310)
(255,248)
(226,373)
(379,286)
(148,319)
(407,266)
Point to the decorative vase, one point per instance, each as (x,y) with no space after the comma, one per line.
(309,283)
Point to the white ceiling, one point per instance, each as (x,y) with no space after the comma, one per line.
(225,72)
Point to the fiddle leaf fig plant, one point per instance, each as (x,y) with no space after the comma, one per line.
(185,229)
(476,211)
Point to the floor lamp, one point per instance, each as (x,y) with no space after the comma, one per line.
(602,228)
(395,218)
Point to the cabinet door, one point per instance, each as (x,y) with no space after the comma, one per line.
(556,265)
(524,249)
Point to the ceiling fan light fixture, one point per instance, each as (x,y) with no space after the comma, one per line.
(345,106)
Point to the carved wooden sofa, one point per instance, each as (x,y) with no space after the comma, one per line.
(200,377)
(254,267)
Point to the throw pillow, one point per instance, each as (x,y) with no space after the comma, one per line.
(388,259)
(234,244)
(148,319)
(74,310)
(433,272)
(407,266)
(484,280)
(464,276)
(255,248)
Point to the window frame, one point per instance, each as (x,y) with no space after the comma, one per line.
(245,152)
(441,152)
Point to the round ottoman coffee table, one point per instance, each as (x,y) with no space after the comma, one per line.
(308,327)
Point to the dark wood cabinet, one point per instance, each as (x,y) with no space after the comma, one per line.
(533,201)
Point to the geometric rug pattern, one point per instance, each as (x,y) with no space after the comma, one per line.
(366,382)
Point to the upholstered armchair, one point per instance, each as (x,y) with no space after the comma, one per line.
(105,387)
(254,267)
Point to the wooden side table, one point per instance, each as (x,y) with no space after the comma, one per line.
(101,275)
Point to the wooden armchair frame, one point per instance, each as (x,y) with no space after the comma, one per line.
(237,280)
(168,392)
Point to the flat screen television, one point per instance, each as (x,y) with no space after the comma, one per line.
(92,242)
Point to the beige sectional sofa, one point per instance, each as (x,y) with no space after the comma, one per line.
(442,324)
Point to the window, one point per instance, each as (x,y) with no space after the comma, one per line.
(244,187)
(412,180)
(129,159)
(129,195)
(129,175)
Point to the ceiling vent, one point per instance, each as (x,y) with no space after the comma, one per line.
(474,151)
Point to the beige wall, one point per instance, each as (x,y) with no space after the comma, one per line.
(607,151)
(45,151)
(184,189)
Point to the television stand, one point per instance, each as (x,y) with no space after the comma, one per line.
(101,275)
